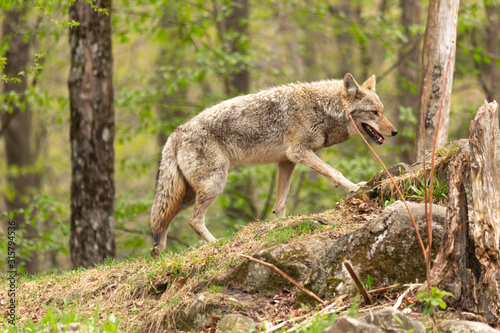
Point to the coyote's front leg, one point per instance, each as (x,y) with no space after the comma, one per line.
(309,158)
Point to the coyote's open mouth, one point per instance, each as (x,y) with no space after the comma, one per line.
(372,133)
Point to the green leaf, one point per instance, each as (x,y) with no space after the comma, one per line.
(397,319)
(442,304)
(477,57)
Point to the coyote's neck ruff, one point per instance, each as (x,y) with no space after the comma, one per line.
(285,124)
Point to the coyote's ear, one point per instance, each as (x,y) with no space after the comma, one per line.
(370,83)
(351,86)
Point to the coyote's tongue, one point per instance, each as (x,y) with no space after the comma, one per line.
(376,136)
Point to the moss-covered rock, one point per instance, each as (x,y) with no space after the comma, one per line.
(387,249)
(295,259)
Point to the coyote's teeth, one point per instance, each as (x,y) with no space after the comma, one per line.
(376,136)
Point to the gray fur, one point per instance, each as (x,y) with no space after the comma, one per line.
(285,125)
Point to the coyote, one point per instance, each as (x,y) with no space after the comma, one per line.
(286,124)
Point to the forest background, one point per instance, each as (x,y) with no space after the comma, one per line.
(172,59)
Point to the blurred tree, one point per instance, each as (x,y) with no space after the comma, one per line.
(408,75)
(235,33)
(490,77)
(91,134)
(347,14)
(440,36)
(16,126)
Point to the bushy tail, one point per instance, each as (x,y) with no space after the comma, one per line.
(170,191)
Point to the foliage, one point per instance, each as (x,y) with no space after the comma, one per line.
(387,203)
(431,303)
(319,324)
(299,229)
(353,308)
(51,236)
(439,189)
(368,283)
(67,318)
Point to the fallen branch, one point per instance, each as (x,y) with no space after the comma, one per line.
(360,286)
(375,291)
(400,298)
(280,272)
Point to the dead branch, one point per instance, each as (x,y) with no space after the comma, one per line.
(280,272)
(379,290)
(360,286)
(400,298)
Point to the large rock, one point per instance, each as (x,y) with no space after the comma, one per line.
(236,323)
(458,326)
(383,321)
(295,259)
(387,249)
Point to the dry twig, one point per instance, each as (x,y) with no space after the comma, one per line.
(280,272)
(360,286)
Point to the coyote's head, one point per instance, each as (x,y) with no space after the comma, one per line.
(366,109)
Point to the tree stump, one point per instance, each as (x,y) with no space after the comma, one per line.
(469,266)
(484,144)
(454,264)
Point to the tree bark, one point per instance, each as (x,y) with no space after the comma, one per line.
(485,174)
(237,24)
(17,128)
(440,35)
(408,72)
(344,40)
(456,266)
(493,70)
(468,266)
(92,134)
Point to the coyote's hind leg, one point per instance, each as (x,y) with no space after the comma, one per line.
(285,172)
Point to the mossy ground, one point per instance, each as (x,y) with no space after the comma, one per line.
(146,294)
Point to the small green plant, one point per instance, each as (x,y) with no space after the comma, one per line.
(282,235)
(416,192)
(387,203)
(175,265)
(353,309)
(214,288)
(368,284)
(59,320)
(319,324)
(431,303)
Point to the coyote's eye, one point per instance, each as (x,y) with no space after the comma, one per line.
(375,113)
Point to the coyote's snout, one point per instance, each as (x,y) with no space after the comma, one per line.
(285,124)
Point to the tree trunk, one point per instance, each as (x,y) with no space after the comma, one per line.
(493,70)
(237,25)
(469,267)
(440,35)
(456,266)
(485,174)
(17,129)
(235,36)
(408,72)
(92,134)
(344,40)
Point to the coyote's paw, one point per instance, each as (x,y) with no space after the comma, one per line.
(360,185)
(356,187)
(155,251)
